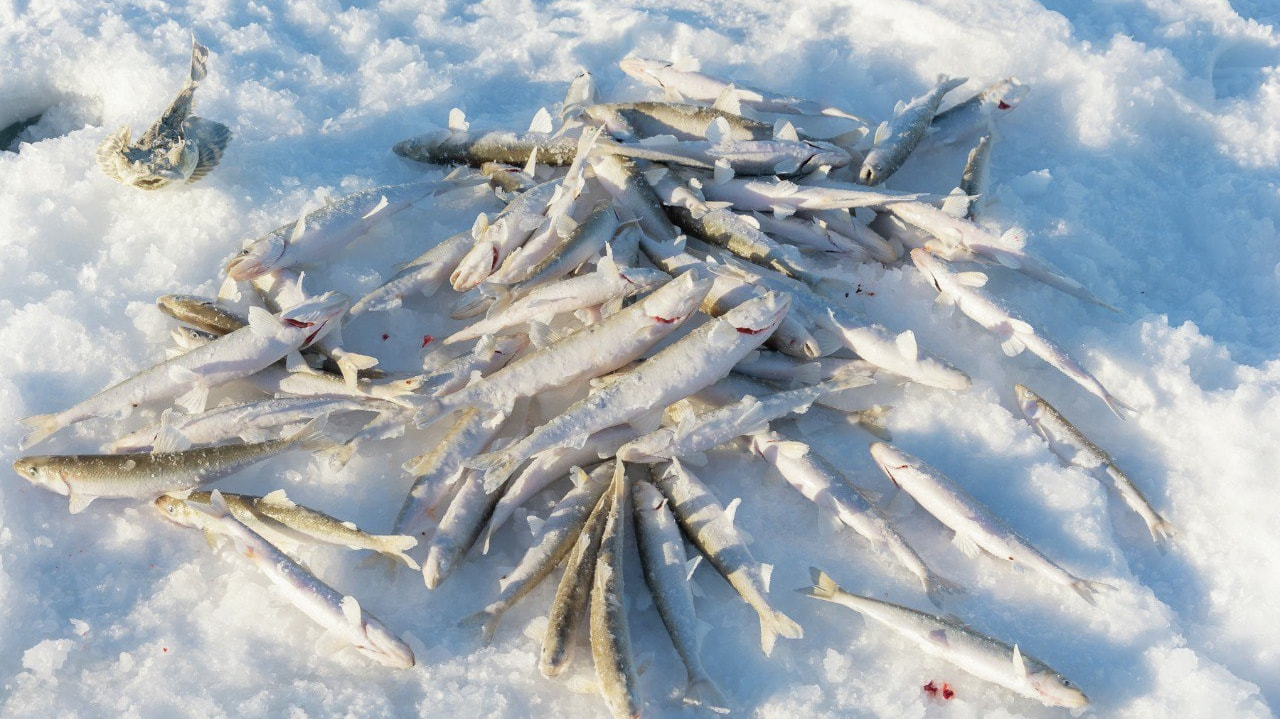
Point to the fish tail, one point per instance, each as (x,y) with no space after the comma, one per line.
(41,426)
(486,619)
(429,410)
(1118,408)
(773,624)
(199,63)
(312,437)
(704,693)
(1088,589)
(1162,531)
(824,587)
(397,546)
(936,586)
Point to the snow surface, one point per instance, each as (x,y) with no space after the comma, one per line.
(1143,162)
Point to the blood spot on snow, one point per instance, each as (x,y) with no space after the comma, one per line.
(930,688)
(947,693)
(385,336)
(1004,105)
(164,649)
(427,339)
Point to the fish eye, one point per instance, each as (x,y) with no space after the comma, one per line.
(1066,683)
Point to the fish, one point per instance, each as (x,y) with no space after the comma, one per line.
(83,478)
(896,138)
(608,283)
(710,527)
(977,528)
(821,483)
(610,633)
(1015,334)
(692,362)
(693,434)
(317,234)
(978,654)
(552,542)
(179,148)
(490,354)
(976,177)
(588,352)
(266,339)
(279,520)
(781,196)
(977,114)
(772,156)
(496,240)
(422,275)
(681,81)
(666,572)
(203,313)
(631,193)
(464,147)
(573,593)
(637,120)
(1073,448)
(341,615)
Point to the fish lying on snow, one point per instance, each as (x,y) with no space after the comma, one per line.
(179,147)
(977,654)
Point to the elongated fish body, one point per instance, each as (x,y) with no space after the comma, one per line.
(83,478)
(879,246)
(635,120)
(610,633)
(691,363)
(179,147)
(327,607)
(744,157)
(812,234)
(794,334)
(489,355)
(588,352)
(976,526)
(1074,448)
(312,238)
(438,471)
(788,370)
(249,421)
(1015,334)
(680,83)
(202,313)
(710,527)
(276,379)
(898,354)
(552,542)
(423,275)
(275,514)
(607,283)
(821,483)
(711,429)
(586,241)
(977,176)
(977,114)
(463,147)
(265,340)
(500,238)
(623,180)
(458,529)
(978,654)
(739,235)
(573,593)
(551,465)
(786,197)
(666,571)
(896,138)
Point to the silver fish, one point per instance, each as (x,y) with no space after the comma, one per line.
(573,593)
(896,138)
(978,654)
(1073,448)
(179,147)
(610,633)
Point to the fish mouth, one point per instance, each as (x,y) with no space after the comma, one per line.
(242,269)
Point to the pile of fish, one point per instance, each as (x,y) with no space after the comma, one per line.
(674,270)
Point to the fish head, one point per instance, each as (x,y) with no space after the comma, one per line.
(259,257)
(824,154)
(927,265)
(179,511)
(872,171)
(890,459)
(1056,689)
(40,472)
(672,304)
(318,315)
(641,279)
(643,69)
(1028,401)
(160,164)
(1004,95)
(760,316)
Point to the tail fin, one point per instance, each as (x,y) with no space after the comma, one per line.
(935,586)
(312,437)
(1087,589)
(199,62)
(1162,532)
(773,624)
(41,425)
(824,587)
(486,619)
(398,545)
(704,693)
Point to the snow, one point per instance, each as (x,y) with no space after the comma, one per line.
(1143,162)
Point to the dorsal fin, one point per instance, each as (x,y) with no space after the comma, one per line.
(351,610)
(882,134)
(906,344)
(719,132)
(784,130)
(458,120)
(957,203)
(1019,666)
(729,101)
(541,121)
(531,167)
